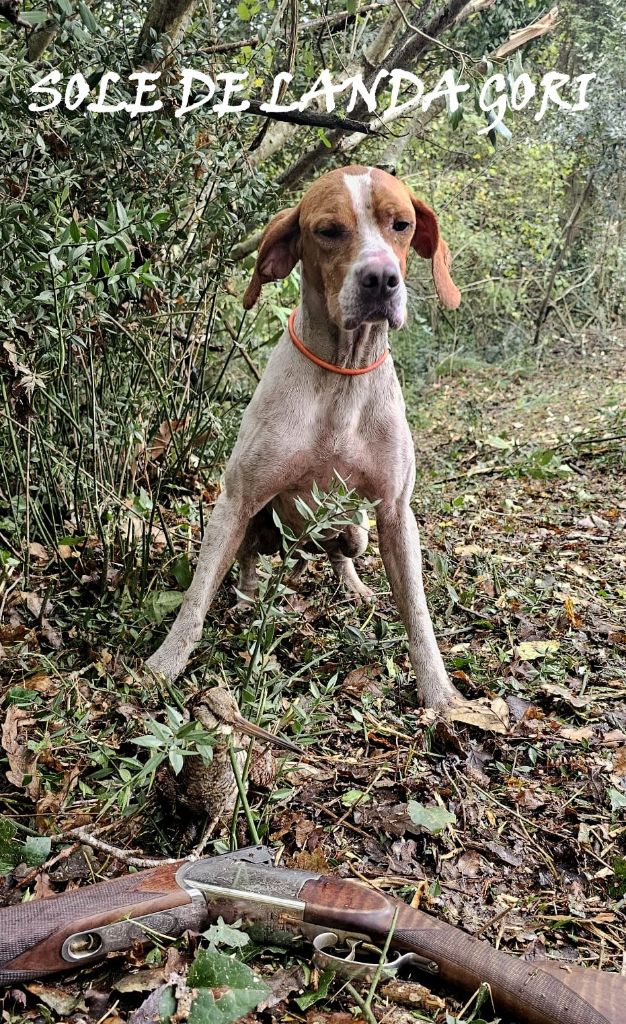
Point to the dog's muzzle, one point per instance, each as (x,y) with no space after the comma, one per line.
(380,293)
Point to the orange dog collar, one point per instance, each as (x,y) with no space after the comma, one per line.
(345,371)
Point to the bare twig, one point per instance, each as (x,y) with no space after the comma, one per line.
(130,859)
(418,31)
(494,920)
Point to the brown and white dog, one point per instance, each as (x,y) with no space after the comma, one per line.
(330,402)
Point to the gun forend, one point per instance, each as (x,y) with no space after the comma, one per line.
(537,992)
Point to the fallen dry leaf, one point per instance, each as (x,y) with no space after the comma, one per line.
(468,550)
(471,864)
(574,620)
(490,715)
(282,983)
(619,762)
(148,1012)
(315,861)
(60,1000)
(530,650)
(41,683)
(162,439)
(51,803)
(557,690)
(585,733)
(362,680)
(34,603)
(614,738)
(22,761)
(12,633)
(531,798)
(147,980)
(411,994)
(38,552)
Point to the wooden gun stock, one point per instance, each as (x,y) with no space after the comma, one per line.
(32,934)
(539,991)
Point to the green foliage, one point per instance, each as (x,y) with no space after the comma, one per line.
(33,851)
(222,934)
(241,990)
(433,818)
(170,741)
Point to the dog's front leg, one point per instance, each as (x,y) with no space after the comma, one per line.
(222,537)
(400,550)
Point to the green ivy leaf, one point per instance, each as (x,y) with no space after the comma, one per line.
(240,989)
(433,818)
(160,604)
(36,850)
(181,571)
(222,934)
(355,796)
(315,995)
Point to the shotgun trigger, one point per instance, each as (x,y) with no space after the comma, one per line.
(347,964)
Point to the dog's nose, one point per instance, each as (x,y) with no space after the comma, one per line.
(379,279)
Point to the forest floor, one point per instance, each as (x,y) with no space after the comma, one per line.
(517,835)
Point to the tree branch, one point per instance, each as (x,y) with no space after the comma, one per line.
(336,22)
(313,119)
(403,55)
(419,120)
(414,43)
(278,138)
(568,234)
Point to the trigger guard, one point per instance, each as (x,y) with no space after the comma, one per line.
(348,966)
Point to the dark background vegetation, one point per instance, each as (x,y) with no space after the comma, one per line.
(125,364)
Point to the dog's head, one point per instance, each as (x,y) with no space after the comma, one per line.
(353,229)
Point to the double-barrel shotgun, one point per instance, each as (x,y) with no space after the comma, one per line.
(81,927)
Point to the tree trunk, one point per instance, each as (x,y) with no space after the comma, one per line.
(41,38)
(569,232)
(166,18)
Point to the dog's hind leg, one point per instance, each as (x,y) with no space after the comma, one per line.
(341,551)
(349,578)
(262,537)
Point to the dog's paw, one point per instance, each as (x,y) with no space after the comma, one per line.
(167,664)
(362,595)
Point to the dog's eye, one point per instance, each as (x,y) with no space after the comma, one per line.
(332,231)
(401,225)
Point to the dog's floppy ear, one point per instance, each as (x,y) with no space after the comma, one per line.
(278,253)
(428,242)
